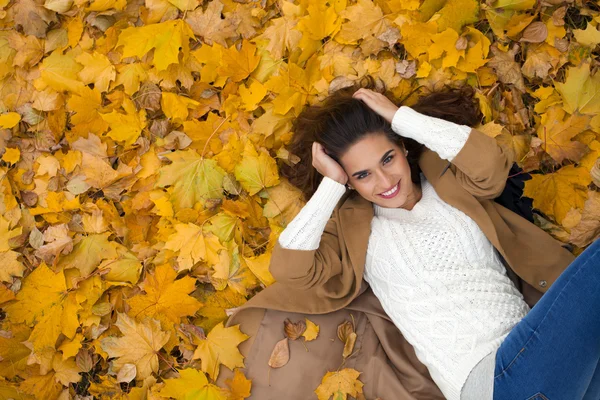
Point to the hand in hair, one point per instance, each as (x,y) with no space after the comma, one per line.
(326,165)
(377,102)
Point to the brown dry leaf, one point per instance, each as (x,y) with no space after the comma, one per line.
(280,354)
(346,334)
(588,228)
(506,68)
(293,330)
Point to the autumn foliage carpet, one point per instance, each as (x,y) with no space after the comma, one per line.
(139,144)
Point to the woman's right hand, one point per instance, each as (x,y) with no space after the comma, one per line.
(326,165)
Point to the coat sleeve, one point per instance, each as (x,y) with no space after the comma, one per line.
(481,167)
(305,269)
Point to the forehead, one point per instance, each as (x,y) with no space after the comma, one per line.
(367,152)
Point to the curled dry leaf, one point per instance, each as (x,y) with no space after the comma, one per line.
(349,345)
(280,355)
(344,329)
(347,335)
(293,330)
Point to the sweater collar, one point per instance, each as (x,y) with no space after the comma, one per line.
(420,206)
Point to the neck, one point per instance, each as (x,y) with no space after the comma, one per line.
(417,195)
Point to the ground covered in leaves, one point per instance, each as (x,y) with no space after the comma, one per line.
(139,143)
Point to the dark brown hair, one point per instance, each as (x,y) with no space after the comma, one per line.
(341,121)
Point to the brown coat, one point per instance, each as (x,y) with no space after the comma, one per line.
(329,282)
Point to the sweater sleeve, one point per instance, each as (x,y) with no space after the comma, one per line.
(444,137)
(305,230)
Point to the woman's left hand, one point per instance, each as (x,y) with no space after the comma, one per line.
(377,102)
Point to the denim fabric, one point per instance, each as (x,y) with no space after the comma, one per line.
(553,353)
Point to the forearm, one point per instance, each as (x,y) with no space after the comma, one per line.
(305,230)
(444,137)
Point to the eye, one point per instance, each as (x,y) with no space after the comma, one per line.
(388,159)
(361,176)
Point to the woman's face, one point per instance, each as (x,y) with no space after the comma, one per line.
(375,165)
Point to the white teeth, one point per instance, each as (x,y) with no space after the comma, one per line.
(391,191)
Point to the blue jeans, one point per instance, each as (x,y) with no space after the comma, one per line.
(553,353)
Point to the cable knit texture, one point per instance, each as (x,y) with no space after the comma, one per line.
(436,274)
(305,230)
(444,137)
(442,283)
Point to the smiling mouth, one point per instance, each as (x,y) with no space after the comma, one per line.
(391,192)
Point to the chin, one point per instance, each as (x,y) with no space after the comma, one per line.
(396,202)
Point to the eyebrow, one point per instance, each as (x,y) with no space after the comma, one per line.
(382,158)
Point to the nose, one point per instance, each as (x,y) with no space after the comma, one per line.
(385,181)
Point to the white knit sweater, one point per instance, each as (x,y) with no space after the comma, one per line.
(434,271)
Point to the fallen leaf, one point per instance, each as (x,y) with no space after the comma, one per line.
(280,354)
(340,385)
(293,330)
(312,330)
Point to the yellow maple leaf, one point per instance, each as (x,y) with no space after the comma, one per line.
(86,107)
(6,295)
(416,37)
(231,271)
(456,13)
(97,70)
(66,370)
(220,347)
(365,19)
(260,268)
(139,344)
(590,36)
(321,21)
(556,193)
(476,55)
(191,385)
(41,386)
(130,76)
(60,72)
(556,134)
(208,24)
(166,38)
(165,298)
(193,178)
(580,91)
(126,127)
(256,171)
(88,253)
(210,56)
(239,64)
(215,304)
(281,35)
(9,264)
(239,386)
(188,240)
(444,47)
(176,107)
(340,385)
(252,95)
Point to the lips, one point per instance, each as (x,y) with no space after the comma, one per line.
(393,194)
